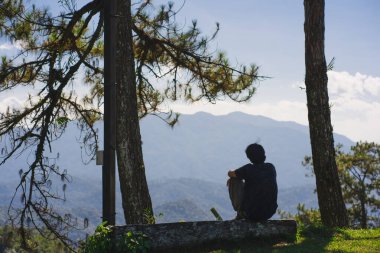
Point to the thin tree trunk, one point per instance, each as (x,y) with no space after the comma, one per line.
(363,211)
(331,204)
(134,189)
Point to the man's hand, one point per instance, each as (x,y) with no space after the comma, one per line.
(231,173)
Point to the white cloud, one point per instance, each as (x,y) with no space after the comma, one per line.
(10,102)
(353,85)
(356,118)
(6,46)
(355,105)
(18,44)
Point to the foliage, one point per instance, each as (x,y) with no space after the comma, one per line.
(304,217)
(53,50)
(133,243)
(101,241)
(10,241)
(151,218)
(359,174)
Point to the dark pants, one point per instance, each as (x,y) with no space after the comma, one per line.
(236,191)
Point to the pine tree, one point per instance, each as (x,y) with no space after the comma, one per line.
(55,49)
(359,172)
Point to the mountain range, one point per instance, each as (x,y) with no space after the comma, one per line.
(186,166)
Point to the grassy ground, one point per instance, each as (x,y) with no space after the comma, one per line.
(316,240)
(310,240)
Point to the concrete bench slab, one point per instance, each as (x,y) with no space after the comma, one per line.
(212,235)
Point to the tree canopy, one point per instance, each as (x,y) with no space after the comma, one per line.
(55,50)
(359,172)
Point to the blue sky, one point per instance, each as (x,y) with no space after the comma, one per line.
(270,34)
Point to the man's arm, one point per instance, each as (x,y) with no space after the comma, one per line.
(231,173)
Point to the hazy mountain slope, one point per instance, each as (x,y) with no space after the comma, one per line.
(181,210)
(201,146)
(186,166)
(181,199)
(204,146)
(207,194)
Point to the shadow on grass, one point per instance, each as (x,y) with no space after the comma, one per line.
(348,237)
(312,240)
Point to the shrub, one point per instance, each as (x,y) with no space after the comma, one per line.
(102,241)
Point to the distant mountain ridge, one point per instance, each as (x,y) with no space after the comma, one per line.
(204,146)
(187,165)
(200,146)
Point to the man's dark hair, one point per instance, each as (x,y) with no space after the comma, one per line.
(255,153)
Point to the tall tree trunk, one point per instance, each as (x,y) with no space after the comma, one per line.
(331,204)
(134,189)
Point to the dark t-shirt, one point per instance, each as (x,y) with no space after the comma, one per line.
(260,190)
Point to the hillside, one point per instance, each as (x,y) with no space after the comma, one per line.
(201,146)
(186,166)
(204,146)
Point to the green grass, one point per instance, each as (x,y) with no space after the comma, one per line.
(355,241)
(10,242)
(317,240)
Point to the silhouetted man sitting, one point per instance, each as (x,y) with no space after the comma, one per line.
(253,187)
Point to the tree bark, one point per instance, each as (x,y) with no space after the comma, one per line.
(331,204)
(136,200)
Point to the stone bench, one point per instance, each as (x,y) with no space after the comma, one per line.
(212,235)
